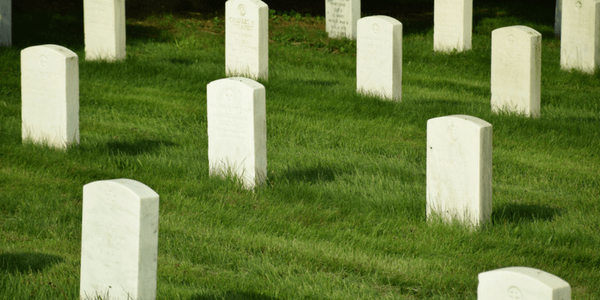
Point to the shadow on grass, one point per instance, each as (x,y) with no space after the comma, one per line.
(523,213)
(136,147)
(233,296)
(25,262)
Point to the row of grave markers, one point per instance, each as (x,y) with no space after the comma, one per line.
(577,22)
(247,31)
(119,250)
(50,78)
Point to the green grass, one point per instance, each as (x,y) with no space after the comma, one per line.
(342,215)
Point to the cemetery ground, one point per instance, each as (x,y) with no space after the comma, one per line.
(342,215)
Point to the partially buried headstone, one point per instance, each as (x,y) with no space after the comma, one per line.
(580,35)
(5,22)
(119,242)
(50,95)
(341,18)
(452,25)
(516,70)
(379,57)
(104,29)
(517,283)
(237,129)
(459,169)
(247,38)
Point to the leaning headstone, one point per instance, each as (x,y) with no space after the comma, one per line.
(379,57)
(452,25)
(237,130)
(516,70)
(341,18)
(104,29)
(459,169)
(247,38)
(119,242)
(557,18)
(580,35)
(5,22)
(50,95)
(517,283)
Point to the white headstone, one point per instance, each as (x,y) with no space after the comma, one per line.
(580,35)
(379,57)
(521,283)
(247,38)
(341,17)
(516,70)
(104,29)
(237,129)
(452,25)
(459,169)
(119,242)
(5,22)
(50,95)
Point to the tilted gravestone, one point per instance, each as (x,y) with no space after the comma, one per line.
(516,70)
(459,169)
(452,25)
(50,95)
(247,38)
(379,57)
(237,129)
(521,283)
(104,29)
(580,35)
(341,18)
(6,23)
(119,242)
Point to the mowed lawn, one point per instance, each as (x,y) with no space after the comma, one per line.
(342,214)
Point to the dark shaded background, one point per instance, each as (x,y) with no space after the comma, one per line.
(532,10)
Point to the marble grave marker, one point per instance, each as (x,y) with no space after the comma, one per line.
(459,169)
(580,35)
(237,129)
(452,25)
(247,38)
(104,29)
(119,243)
(516,70)
(379,57)
(50,95)
(521,283)
(341,17)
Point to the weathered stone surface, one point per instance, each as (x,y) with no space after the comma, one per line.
(247,38)
(237,129)
(379,57)
(104,29)
(516,70)
(459,169)
(580,35)
(341,18)
(119,243)
(521,283)
(452,25)
(50,95)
